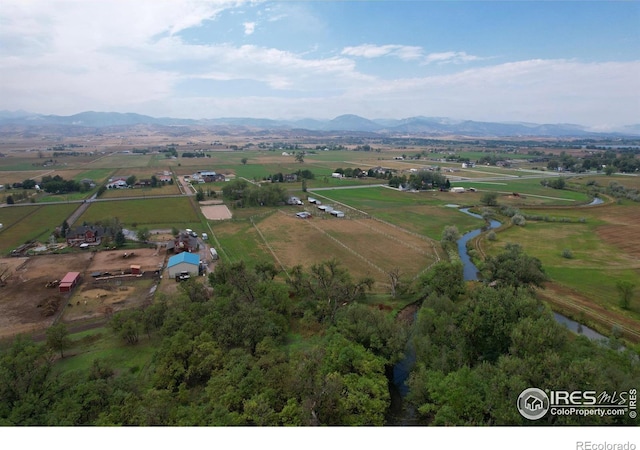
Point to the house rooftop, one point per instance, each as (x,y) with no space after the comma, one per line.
(191,258)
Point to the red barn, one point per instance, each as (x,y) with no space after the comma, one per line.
(69,281)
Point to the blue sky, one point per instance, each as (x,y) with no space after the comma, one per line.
(538,61)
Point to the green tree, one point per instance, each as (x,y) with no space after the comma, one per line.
(10,200)
(131,180)
(445,278)
(194,290)
(489,199)
(26,384)
(143,234)
(375,330)
(127,325)
(514,268)
(58,338)
(328,286)
(625,290)
(300,157)
(450,234)
(244,161)
(199,195)
(119,239)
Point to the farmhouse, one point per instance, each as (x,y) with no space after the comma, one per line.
(117,183)
(69,281)
(143,182)
(85,235)
(183,262)
(207,176)
(184,242)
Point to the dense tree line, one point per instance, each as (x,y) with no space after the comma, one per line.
(248,349)
(242,193)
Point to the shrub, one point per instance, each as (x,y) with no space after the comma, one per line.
(489,199)
(566,253)
(518,220)
(492,236)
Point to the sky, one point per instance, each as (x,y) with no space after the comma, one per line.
(506,61)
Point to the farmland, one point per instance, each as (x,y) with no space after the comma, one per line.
(384,229)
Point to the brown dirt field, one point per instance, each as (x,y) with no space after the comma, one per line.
(148,259)
(216,212)
(26,287)
(623,230)
(624,237)
(365,247)
(102,299)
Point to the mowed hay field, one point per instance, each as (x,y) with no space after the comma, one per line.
(366,247)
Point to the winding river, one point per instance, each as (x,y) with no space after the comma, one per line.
(400,413)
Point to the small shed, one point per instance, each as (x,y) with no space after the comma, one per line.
(69,281)
(337,213)
(135,269)
(183,262)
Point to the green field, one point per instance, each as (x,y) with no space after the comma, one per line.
(424,213)
(150,212)
(22,224)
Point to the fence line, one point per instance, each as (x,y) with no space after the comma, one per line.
(284,269)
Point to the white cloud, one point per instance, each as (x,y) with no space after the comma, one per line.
(404,52)
(66,57)
(449,57)
(249,27)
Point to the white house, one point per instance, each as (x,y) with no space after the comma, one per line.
(183,262)
(117,183)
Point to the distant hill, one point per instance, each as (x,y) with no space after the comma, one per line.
(418,126)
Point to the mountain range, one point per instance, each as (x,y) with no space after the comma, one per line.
(415,126)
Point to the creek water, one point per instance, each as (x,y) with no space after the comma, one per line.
(400,413)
